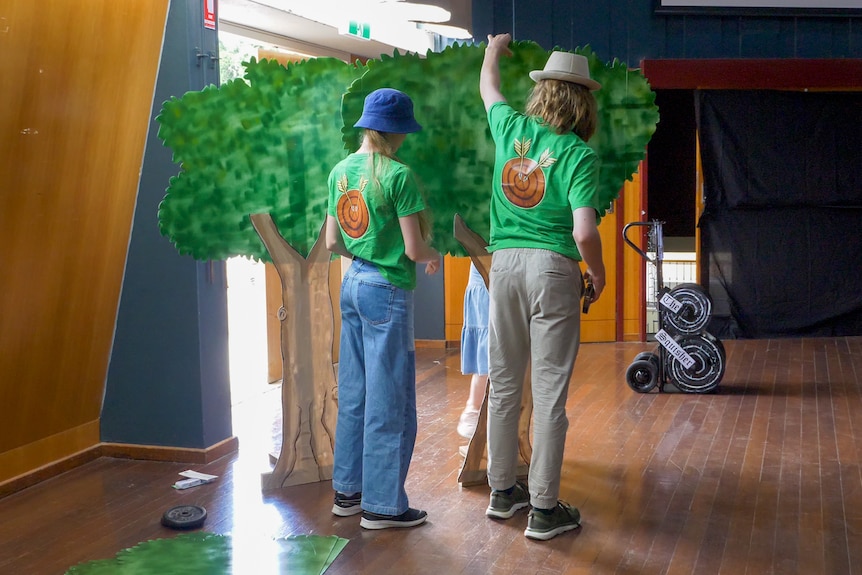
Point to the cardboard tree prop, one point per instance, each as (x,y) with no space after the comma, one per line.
(454,154)
(255,156)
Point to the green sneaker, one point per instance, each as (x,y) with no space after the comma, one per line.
(503,506)
(545,526)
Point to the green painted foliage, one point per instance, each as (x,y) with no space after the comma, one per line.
(627,120)
(453,155)
(265,143)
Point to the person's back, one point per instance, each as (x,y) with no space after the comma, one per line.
(543,223)
(533,199)
(374,217)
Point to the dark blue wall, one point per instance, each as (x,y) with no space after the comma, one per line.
(630,31)
(168,380)
(430,310)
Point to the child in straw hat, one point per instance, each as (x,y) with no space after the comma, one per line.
(544,216)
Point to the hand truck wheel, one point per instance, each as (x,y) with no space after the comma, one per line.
(642,375)
(709,363)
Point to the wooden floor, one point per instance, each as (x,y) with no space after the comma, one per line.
(761,477)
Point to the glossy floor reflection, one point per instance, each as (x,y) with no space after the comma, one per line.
(764,476)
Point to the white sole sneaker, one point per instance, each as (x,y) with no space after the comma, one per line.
(410,518)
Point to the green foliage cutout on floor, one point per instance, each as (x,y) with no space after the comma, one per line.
(266,143)
(201,553)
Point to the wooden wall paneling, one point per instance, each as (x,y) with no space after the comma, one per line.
(533,21)
(633,265)
(854,41)
(767,38)
(618,24)
(21,461)
(561,28)
(503,19)
(645,33)
(79,111)
(273,324)
(584,24)
(674,35)
(456,272)
(702,35)
(600,323)
(483,19)
(826,38)
(632,31)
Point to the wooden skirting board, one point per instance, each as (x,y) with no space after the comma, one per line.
(121,451)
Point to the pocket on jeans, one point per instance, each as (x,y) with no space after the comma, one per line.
(374,301)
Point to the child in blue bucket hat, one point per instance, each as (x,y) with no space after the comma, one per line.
(376,216)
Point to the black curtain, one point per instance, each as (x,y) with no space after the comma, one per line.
(782,222)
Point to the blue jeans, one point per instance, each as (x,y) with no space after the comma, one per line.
(376,428)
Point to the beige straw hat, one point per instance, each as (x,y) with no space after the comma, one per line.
(567,67)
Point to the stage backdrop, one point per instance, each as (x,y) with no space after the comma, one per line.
(782,227)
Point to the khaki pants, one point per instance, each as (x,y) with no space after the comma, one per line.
(534,320)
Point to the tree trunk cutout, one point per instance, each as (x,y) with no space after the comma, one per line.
(472,471)
(309,392)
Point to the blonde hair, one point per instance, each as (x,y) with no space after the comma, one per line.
(379,142)
(565,107)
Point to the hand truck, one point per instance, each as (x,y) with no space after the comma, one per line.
(688,359)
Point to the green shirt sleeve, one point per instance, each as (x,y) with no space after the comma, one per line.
(585,182)
(406,196)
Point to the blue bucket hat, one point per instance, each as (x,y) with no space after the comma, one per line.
(388,110)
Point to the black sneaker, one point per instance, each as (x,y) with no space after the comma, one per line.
(410,518)
(544,526)
(345,506)
(503,505)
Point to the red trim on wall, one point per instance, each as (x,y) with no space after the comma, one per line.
(755,74)
(620,209)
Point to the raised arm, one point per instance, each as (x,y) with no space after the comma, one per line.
(489,77)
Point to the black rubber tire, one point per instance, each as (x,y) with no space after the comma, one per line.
(695,312)
(649,356)
(642,375)
(184,517)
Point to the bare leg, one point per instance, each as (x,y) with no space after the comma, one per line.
(470,415)
(477,392)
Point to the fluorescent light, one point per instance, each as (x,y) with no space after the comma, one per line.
(410,12)
(455,32)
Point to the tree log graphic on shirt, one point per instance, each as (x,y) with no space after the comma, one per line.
(523,179)
(351,209)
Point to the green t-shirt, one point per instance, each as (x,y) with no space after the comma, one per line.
(540,178)
(368,213)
